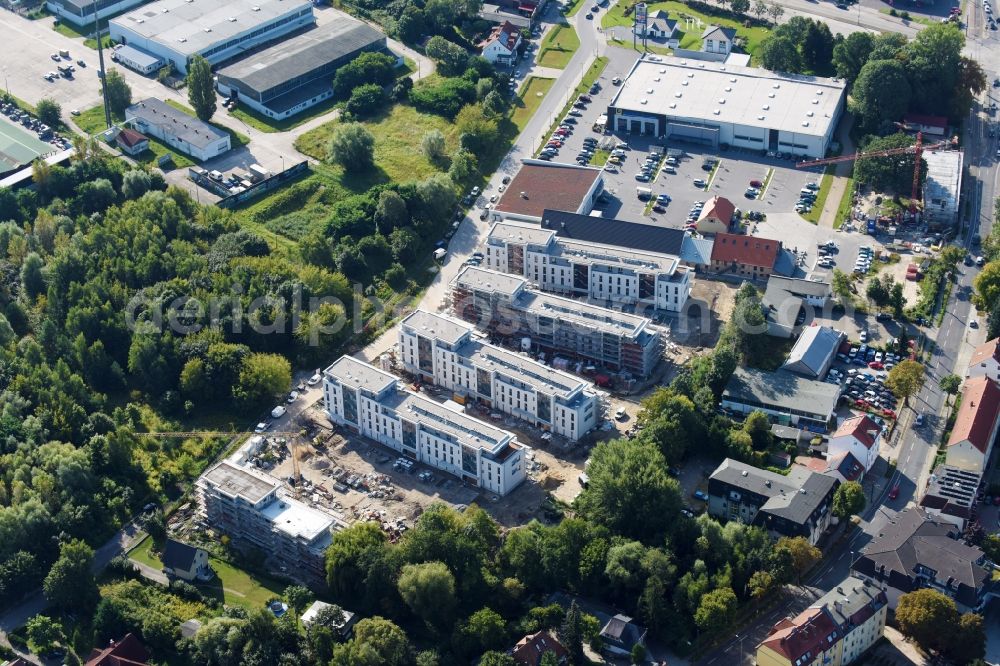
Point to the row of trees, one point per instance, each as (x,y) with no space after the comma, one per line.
(115,285)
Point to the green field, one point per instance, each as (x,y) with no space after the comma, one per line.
(91,121)
(398,131)
(844,209)
(691,36)
(558,47)
(527,101)
(73,31)
(232,585)
(824,190)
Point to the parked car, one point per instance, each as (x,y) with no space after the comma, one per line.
(698,494)
(700,182)
(894,493)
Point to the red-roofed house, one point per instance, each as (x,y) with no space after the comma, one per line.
(860,436)
(985,361)
(936,125)
(132,142)
(749,256)
(811,637)
(502,44)
(975,426)
(835,630)
(529,650)
(541,185)
(126,652)
(716,216)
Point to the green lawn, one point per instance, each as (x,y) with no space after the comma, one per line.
(844,209)
(688,23)
(398,131)
(527,101)
(73,31)
(600,158)
(91,121)
(558,47)
(265,124)
(232,585)
(236,139)
(824,190)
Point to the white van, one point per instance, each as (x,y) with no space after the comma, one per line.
(644,193)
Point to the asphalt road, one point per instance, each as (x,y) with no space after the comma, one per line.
(916,447)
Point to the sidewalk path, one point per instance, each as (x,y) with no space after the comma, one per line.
(841,174)
(472,230)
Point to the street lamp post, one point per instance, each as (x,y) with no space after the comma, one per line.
(741,647)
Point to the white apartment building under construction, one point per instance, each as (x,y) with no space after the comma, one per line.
(376,405)
(606,274)
(504,306)
(446,352)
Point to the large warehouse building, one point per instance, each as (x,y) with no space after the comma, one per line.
(297,73)
(177,30)
(81,12)
(715,104)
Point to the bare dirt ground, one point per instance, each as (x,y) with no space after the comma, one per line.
(710,307)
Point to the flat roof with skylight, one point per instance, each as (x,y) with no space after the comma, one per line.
(192,26)
(726,93)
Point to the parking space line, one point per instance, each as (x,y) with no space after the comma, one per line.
(767,183)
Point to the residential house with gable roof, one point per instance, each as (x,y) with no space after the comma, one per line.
(975,426)
(129,651)
(915,551)
(858,435)
(985,361)
(747,256)
(717,39)
(716,216)
(621,634)
(185,562)
(834,631)
(501,46)
(529,650)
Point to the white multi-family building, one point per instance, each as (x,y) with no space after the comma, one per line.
(606,274)
(503,306)
(253,510)
(446,352)
(375,404)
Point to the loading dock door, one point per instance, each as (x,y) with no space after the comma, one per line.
(708,136)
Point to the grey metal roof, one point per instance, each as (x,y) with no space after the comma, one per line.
(430,324)
(352,372)
(913,539)
(850,598)
(137,56)
(696,251)
(619,233)
(237,482)
(777,284)
(794,497)
(782,390)
(177,555)
(192,26)
(175,122)
(814,348)
(473,277)
(298,56)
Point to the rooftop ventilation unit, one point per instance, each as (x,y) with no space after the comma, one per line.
(208,30)
(729,89)
(760,117)
(663,70)
(771,95)
(776,86)
(805,123)
(678,94)
(815,101)
(819,92)
(716,112)
(810,114)
(649,91)
(673,105)
(684,83)
(732,79)
(232,19)
(643,101)
(722,100)
(766,107)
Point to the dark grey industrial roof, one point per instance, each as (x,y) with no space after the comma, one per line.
(177,555)
(914,539)
(620,233)
(794,497)
(175,122)
(783,390)
(299,55)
